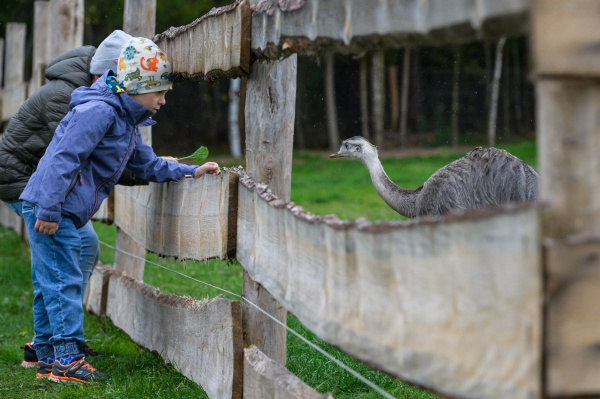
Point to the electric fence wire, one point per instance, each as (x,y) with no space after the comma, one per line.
(312,345)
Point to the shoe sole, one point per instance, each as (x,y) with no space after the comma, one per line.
(28,364)
(68,380)
(40,376)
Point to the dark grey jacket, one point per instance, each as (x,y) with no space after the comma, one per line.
(31,129)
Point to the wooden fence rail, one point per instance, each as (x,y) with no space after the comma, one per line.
(492,304)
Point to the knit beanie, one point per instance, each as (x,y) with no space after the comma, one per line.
(143,67)
(108,52)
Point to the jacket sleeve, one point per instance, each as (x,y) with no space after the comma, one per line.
(86,126)
(144,163)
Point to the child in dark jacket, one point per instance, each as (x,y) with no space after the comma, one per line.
(89,151)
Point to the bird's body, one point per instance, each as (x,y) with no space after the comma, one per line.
(482,178)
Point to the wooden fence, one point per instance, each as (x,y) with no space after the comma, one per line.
(499,303)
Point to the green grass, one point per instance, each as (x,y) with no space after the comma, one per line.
(321,185)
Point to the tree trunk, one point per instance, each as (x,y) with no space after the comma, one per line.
(495,91)
(455,96)
(405,91)
(234,126)
(392,72)
(487,47)
(506,98)
(332,120)
(378,95)
(517,88)
(364,98)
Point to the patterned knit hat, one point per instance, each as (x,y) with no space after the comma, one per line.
(143,67)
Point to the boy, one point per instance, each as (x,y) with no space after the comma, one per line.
(30,131)
(90,149)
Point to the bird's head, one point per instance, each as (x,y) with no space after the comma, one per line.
(357,148)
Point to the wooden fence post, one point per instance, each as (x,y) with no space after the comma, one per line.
(67,20)
(270,113)
(41,43)
(14,68)
(1,74)
(139,18)
(565,37)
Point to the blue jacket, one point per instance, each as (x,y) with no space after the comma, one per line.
(89,151)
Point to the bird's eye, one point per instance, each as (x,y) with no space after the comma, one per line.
(357,148)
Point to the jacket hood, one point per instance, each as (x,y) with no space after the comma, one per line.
(72,67)
(125,106)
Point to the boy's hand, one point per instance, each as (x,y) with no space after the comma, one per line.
(212,168)
(171,159)
(48,228)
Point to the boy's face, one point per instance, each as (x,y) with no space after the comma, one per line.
(153,101)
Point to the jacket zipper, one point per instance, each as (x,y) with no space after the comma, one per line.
(113,176)
(73,184)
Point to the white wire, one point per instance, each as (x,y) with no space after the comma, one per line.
(314,346)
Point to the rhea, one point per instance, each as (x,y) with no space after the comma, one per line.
(482,178)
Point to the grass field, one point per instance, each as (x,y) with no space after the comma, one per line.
(321,185)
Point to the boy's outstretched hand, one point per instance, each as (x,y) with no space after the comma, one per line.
(212,168)
(48,228)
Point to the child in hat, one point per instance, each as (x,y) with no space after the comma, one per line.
(89,151)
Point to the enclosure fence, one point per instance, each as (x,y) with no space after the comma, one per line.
(496,303)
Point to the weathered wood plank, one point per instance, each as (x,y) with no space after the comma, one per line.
(356,26)
(97,290)
(12,99)
(67,17)
(569,134)
(565,35)
(213,47)
(454,305)
(41,43)
(187,219)
(10,220)
(133,266)
(269,117)
(573,336)
(139,18)
(15,90)
(265,378)
(203,339)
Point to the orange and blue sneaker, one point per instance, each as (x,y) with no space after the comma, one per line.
(30,358)
(43,369)
(78,371)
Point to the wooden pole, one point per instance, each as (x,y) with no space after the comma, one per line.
(332,120)
(139,18)
(41,43)
(270,114)
(14,92)
(1,74)
(404,96)
(564,38)
(364,98)
(455,96)
(377,88)
(15,54)
(493,111)
(67,21)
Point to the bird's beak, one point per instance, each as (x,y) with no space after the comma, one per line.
(336,155)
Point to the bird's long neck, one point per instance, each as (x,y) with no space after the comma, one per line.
(399,199)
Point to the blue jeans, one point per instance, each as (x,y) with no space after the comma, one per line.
(90,249)
(57,283)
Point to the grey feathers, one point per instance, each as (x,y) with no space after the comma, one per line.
(482,178)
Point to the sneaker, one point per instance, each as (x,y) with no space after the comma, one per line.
(30,358)
(88,352)
(77,371)
(43,369)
